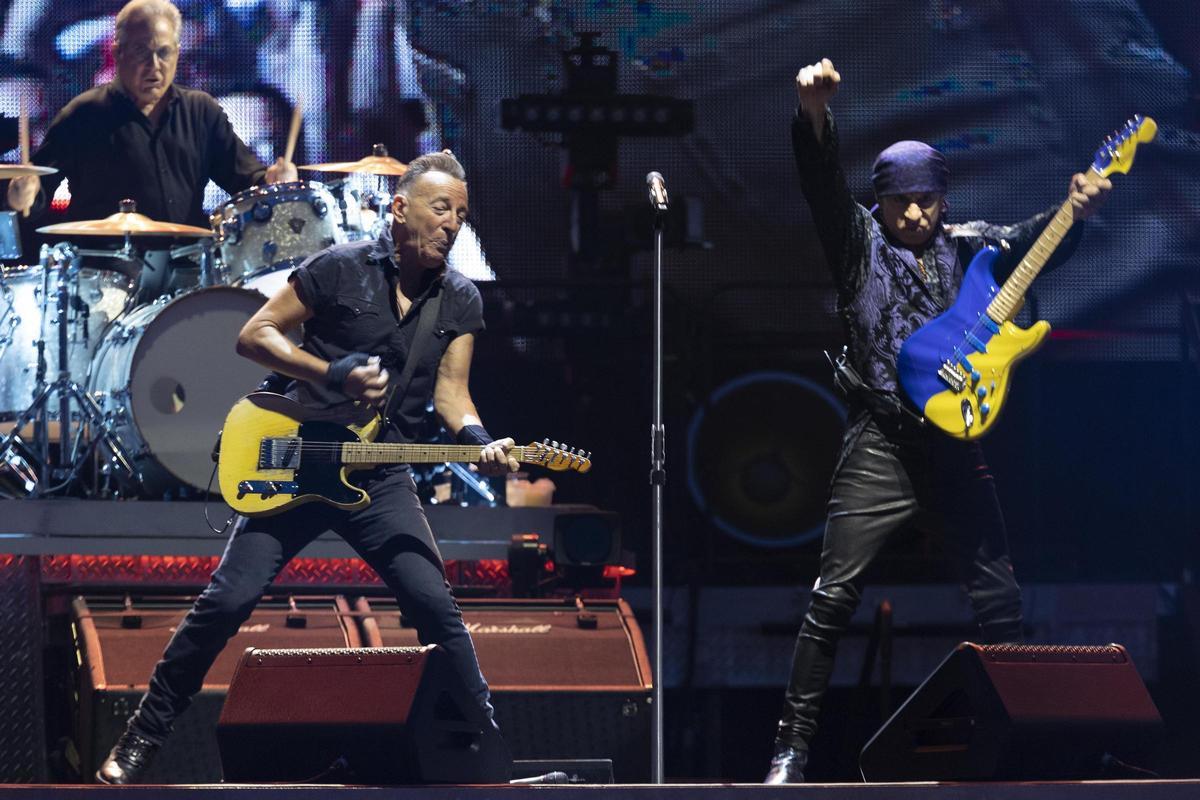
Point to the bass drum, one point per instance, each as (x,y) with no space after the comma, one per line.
(166,375)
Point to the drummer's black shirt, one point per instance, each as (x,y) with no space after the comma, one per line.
(351,289)
(109,150)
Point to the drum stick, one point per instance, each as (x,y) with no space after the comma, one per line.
(293,132)
(23,130)
(23,137)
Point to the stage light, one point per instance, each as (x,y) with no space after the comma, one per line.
(617,115)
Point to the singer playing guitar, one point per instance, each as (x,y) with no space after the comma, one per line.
(362,306)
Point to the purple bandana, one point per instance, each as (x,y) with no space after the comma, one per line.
(910,167)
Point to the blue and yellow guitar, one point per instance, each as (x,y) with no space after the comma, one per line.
(955,369)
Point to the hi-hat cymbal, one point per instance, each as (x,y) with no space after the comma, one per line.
(17,170)
(121,223)
(378,163)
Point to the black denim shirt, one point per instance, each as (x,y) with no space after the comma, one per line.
(351,289)
(110,151)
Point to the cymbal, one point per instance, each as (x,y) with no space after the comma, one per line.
(121,223)
(372,165)
(17,170)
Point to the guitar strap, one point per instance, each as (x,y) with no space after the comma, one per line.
(879,403)
(426,319)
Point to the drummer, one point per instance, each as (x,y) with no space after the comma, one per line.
(142,137)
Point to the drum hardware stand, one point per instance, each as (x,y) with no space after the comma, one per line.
(212,273)
(127,251)
(66,257)
(9,320)
(473,481)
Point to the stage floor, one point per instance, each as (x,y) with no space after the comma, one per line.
(1081,790)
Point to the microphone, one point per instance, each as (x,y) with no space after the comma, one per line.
(657,190)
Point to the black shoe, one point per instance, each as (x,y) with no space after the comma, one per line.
(128,761)
(788,765)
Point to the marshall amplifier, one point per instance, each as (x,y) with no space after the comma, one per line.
(119,639)
(567,681)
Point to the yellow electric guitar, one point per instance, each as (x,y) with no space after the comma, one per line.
(276,454)
(955,368)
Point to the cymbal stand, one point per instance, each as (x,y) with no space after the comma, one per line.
(126,253)
(67,260)
(383,201)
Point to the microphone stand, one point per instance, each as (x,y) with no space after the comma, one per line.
(658,479)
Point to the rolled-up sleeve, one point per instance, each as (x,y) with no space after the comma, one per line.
(316,280)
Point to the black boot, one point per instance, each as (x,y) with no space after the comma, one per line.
(788,765)
(128,761)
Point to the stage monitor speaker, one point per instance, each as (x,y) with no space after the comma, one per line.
(1017,712)
(383,716)
(567,683)
(119,639)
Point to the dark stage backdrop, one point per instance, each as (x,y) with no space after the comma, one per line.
(1016,93)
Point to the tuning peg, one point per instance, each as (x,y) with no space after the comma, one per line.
(554,444)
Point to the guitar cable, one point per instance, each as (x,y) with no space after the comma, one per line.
(208,493)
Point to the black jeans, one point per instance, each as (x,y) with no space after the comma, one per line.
(391,534)
(890,476)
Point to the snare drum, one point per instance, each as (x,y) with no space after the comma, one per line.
(96,296)
(167,374)
(272,227)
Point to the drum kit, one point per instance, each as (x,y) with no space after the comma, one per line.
(140,390)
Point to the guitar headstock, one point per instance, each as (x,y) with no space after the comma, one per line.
(1116,153)
(557,457)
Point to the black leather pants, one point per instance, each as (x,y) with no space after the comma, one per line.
(891,476)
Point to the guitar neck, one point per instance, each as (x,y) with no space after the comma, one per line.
(1008,300)
(388,453)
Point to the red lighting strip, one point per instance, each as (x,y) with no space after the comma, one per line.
(192,570)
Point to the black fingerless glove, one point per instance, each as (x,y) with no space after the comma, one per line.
(339,370)
(474,434)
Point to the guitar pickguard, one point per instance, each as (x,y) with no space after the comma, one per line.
(955,369)
(320,471)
